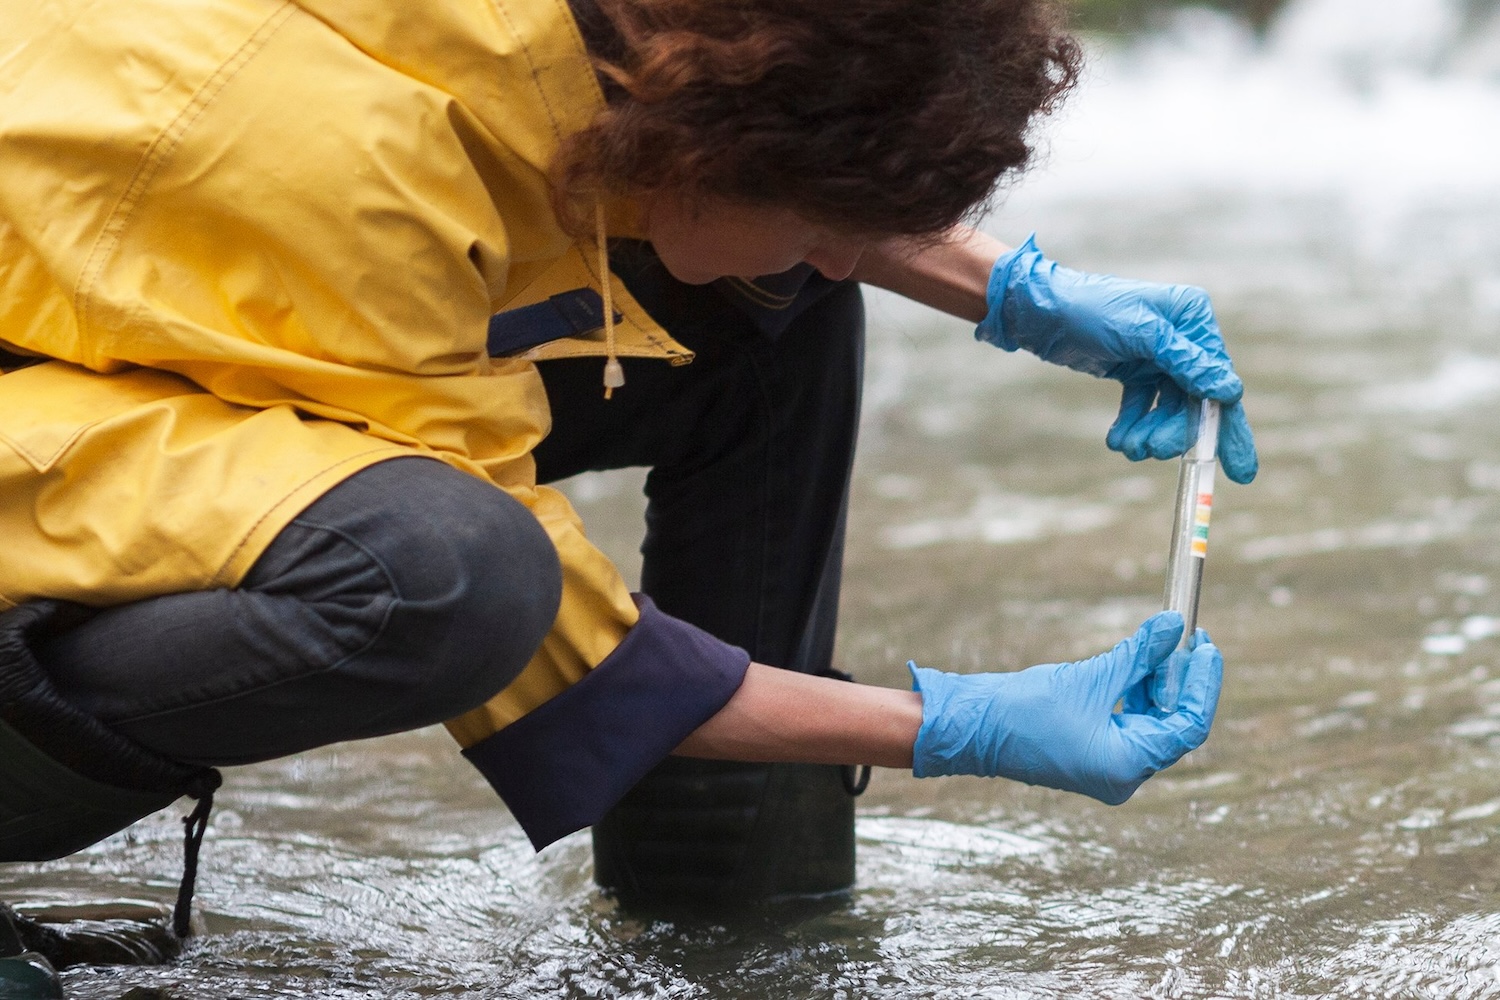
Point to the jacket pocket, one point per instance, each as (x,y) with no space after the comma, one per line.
(46,409)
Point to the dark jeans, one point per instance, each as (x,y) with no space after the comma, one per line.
(411,592)
(408,594)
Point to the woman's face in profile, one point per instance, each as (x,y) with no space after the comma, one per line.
(701,240)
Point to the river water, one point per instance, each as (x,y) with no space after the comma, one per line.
(1337,187)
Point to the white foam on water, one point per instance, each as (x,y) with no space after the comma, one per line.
(1453,520)
(1483,810)
(1361,98)
(1477,627)
(1483,475)
(1458,381)
(1444,645)
(1003,519)
(1475,727)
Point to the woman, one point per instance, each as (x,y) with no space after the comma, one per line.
(304,300)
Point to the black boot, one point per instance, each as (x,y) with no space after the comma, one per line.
(720,835)
(24,975)
(111,933)
(66,780)
(717,834)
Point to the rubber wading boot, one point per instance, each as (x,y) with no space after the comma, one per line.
(66,780)
(113,932)
(24,975)
(722,834)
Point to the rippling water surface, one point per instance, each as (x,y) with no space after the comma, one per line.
(1338,189)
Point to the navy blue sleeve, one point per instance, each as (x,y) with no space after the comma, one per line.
(562,766)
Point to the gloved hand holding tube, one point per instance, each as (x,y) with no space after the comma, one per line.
(1162,342)
(1056,725)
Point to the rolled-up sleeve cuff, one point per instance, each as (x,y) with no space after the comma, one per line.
(562,766)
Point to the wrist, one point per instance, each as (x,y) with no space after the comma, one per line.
(951,275)
(965,730)
(1008,272)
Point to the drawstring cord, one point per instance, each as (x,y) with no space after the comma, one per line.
(614,373)
(194,824)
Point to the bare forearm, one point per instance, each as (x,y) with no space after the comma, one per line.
(783,716)
(952,275)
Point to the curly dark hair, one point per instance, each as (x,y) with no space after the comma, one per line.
(878,117)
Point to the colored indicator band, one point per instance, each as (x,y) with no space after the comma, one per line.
(1201,517)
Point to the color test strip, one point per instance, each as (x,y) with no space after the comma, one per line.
(1200,521)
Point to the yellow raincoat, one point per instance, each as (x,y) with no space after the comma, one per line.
(262,240)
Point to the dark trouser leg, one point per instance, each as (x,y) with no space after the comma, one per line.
(406,595)
(750,449)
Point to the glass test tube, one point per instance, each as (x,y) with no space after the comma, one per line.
(1195,501)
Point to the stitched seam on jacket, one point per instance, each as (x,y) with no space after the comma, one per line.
(536,76)
(651,338)
(43,464)
(157,154)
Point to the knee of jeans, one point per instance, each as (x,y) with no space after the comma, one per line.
(469,581)
(490,593)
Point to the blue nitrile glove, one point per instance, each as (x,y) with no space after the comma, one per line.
(1161,341)
(1055,724)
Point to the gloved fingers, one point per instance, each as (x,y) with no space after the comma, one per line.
(1135,402)
(1137,698)
(1169,438)
(1162,431)
(1201,685)
(1143,430)
(1165,683)
(1143,744)
(1149,744)
(1237,444)
(1133,659)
